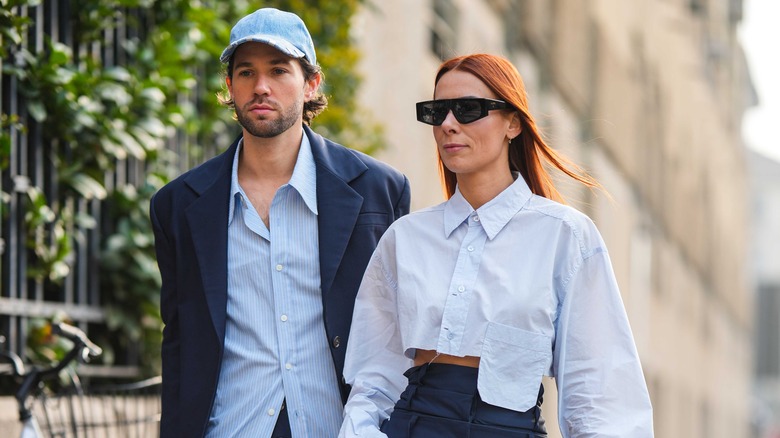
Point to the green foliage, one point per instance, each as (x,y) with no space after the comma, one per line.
(163,91)
(12,26)
(328,22)
(6,123)
(130,278)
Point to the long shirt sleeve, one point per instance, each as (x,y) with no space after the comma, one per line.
(601,388)
(375,359)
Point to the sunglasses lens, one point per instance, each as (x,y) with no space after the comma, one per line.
(433,113)
(467,110)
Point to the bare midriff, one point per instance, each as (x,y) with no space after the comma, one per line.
(428,356)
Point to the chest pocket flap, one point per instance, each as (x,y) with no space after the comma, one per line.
(512,365)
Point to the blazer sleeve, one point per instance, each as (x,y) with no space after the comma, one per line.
(404,201)
(170,351)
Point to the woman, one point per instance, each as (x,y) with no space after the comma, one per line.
(483,295)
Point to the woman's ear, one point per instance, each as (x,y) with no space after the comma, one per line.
(515,126)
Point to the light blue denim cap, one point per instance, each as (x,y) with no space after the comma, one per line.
(284,31)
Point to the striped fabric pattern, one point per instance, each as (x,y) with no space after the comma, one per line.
(275,342)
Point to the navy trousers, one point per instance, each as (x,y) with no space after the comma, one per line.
(441,401)
(282,428)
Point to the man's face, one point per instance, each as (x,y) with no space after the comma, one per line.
(269,89)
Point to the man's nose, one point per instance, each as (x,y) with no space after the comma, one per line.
(262,85)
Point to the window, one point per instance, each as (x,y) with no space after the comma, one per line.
(767,349)
(443,29)
(697,6)
(512,25)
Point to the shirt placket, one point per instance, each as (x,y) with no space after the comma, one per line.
(280,279)
(461,289)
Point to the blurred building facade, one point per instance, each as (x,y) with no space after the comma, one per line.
(765,257)
(648,95)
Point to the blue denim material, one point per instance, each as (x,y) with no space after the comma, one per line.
(282,30)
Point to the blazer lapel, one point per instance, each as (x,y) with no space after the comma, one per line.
(337,203)
(207,217)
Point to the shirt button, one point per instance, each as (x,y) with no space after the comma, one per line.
(476,218)
(288,366)
(470,248)
(279,267)
(271,412)
(461,288)
(336,342)
(450,335)
(283,318)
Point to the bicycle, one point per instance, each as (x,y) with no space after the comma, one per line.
(73,411)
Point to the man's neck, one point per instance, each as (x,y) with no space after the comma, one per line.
(265,165)
(273,157)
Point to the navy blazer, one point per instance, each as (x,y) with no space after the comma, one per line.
(358,197)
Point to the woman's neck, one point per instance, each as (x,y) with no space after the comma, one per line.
(478,189)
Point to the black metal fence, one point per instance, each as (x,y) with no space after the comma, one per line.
(25,296)
(181,37)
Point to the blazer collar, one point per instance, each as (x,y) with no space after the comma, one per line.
(338,203)
(338,160)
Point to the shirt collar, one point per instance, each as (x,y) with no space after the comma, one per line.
(235,189)
(304,177)
(494,215)
(303,180)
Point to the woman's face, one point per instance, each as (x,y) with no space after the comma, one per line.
(479,147)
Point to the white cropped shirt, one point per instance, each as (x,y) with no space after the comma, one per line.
(525,284)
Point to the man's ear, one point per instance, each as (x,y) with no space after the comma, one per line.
(229,83)
(311,87)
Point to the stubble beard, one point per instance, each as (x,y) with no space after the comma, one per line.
(268,128)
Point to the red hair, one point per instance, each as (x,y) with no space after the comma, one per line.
(528,150)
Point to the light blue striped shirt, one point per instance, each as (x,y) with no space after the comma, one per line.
(275,342)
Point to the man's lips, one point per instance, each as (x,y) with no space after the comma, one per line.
(261,108)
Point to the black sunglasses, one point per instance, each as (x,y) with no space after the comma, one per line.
(465,110)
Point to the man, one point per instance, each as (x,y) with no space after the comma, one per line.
(262,249)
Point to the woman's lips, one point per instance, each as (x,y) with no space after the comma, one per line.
(454,147)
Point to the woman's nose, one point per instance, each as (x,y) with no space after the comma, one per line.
(450,123)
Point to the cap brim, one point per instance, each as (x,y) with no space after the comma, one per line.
(283,46)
